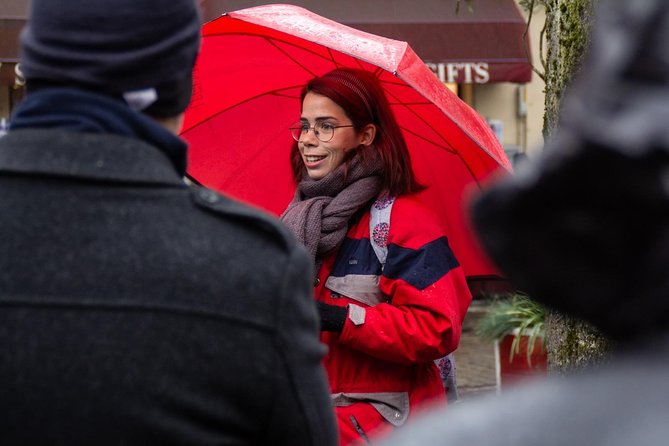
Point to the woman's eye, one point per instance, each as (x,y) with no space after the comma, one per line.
(326,126)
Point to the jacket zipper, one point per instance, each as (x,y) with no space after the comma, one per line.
(357,427)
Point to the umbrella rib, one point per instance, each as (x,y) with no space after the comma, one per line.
(357,61)
(447,146)
(249,99)
(272,42)
(450,150)
(457,124)
(419,117)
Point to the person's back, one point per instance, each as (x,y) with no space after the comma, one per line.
(136,309)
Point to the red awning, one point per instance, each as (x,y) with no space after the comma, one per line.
(9,39)
(12,18)
(484,43)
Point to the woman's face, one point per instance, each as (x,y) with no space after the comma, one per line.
(320,158)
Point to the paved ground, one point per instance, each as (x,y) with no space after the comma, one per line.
(476,371)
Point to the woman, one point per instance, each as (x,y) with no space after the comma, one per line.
(384,325)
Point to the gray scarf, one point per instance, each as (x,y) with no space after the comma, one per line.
(320,212)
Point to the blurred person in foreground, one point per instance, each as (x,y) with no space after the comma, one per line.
(385,316)
(585,230)
(136,309)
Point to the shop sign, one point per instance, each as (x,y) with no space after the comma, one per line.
(461,72)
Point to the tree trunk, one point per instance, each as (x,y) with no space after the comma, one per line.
(571,344)
(567,31)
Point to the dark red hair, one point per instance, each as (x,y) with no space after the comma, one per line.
(361,96)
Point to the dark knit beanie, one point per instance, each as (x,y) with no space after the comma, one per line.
(142,51)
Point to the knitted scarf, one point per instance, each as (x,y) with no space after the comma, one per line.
(320,212)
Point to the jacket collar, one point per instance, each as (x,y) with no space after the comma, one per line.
(105,157)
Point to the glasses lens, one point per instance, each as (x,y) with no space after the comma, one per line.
(297,129)
(324,131)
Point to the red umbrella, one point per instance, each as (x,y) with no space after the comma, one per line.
(247,82)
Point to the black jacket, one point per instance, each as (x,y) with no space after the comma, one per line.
(135,309)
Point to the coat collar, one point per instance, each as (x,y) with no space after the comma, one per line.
(105,157)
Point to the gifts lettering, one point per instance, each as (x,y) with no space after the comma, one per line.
(461,72)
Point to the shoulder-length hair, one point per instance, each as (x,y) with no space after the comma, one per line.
(361,96)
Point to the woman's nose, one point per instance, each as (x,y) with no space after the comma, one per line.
(309,137)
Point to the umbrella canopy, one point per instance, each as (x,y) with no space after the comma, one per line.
(247,83)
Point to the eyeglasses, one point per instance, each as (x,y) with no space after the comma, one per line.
(324,131)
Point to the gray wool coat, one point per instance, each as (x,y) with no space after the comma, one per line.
(135,309)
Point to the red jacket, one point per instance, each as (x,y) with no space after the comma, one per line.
(400,319)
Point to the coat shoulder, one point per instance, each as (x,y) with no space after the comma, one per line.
(411,215)
(408,204)
(256,219)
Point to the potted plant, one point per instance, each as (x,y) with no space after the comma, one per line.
(516,324)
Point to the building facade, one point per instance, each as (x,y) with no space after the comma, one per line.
(482,50)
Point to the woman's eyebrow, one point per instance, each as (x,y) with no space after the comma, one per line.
(321,118)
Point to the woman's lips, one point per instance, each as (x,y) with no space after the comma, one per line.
(313,159)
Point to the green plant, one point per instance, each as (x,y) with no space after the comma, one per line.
(518,315)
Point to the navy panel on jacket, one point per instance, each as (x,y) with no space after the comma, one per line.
(422,267)
(356,256)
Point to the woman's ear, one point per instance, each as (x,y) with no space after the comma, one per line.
(367,135)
